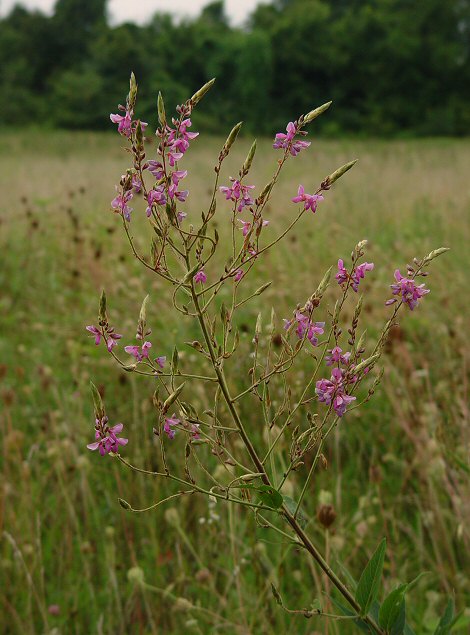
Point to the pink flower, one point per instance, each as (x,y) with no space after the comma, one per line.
(356,274)
(139,352)
(156,168)
(178,175)
(336,356)
(136,183)
(238,275)
(410,292)
(161,361)
(120,204)
(333,391)
(286,141)
(181,216)
(155,196)
(305,326)
(200,276)
(246,226)
(111,337)
(174,157)
(310,201)
(173,193)
(106,437)
(238,193)
(170,423)
(124,122)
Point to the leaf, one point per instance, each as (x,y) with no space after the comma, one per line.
(291,507)
(399,627)
(269,496)
(392,608)
(447,620)
(369,582)
(348,613)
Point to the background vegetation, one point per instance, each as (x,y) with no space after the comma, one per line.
(392,67)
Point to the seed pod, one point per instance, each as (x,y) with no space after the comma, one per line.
(230,140)
(436,253)
(262,288)
(161,110)
(97,401)
(102,315)
(172,398)
(124,504)
(142,323)
(367,362)
(132,96)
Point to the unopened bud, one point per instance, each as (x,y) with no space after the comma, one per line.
(173,397)
(337,174)
(367,362)
(262,288)
(313,114)
(231,139)
(102,315)
(97,401)
(249,159)
(161,110)
(436,253)
(196,98)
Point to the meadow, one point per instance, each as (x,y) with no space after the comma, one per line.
(72,559)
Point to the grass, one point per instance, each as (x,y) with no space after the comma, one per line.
(71,556)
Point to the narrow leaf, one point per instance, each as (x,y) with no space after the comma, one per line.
(369,582)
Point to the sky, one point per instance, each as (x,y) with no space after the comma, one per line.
(140,10)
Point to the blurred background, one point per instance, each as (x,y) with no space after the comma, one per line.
(398,72)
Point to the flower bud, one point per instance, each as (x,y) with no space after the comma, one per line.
(131,98)
(102,315)
(141,324)
(367,362)
(337,174)
(262,288)
(196,98)
(173,397)
(124,504)
(161,110)
(313,114)
(230,140)
(436,253)
(249,159)
(97,401)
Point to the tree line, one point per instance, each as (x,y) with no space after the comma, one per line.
(392,67)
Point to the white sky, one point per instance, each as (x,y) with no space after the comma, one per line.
(140,10)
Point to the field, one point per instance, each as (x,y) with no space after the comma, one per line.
(71,557)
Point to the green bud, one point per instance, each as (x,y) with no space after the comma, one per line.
(324,283)
(338,174)
(102,316)
(131,98)
(262,288)
(265,191)
(258,324)
(124,504)
(246,478)
(249,159)
(367,362)
(196,98)
(142,323)
(362,341)
(231,139)
(313,114)
(174,361)
(436,253)
(97,401)
(161,110)
(173,397)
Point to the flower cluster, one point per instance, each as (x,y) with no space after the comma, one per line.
(172,423)
(310,201)
(238,193)
(356,274)
(139,352)
(305,327)
(287,142)
(336,356)
(119,204)
(106,437)
(200,276)
(410,292)
(334,391)
(110,336)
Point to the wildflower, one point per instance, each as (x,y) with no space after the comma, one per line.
(239,275)
(336,356)
(139,352)
(238,193)
(246,226)
(136,183)
(310,201)
(120,204)
(156,169)
(174,157)
(106,437)
(305,327)
(161,361)
(286,141)
(333,391)
(410,292)
(173,193)
(155,196)
(200,276)
(356,274)
(170,423)
(178,175)
(124,122)
(111,337)
(181,216)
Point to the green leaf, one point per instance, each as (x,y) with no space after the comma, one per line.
(369,582)
(348,613)
(269,496)
(392,608)
(447,620)
(291,506)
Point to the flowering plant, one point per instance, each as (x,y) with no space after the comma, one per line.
(182,254)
